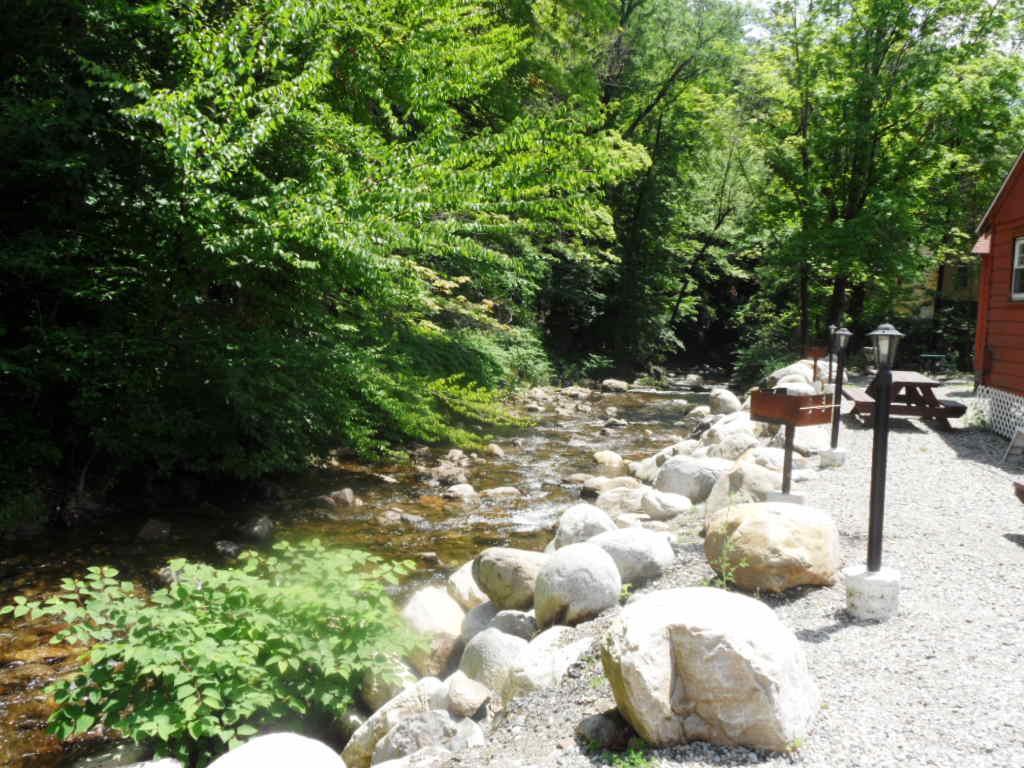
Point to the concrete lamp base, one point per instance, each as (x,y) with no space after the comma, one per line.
(833,457)
(871,595)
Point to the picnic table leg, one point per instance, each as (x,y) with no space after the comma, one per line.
(787,463)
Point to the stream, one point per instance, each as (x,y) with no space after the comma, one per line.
(536,460)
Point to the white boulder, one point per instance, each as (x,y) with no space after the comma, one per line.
(746,482)
(639,554)
(276,749)
(431,611)
(703,664)
(428,693)
(773,546)
(614,385)
(489,656)
(463,588)
(597,484)
(660,505)
(610,464)
(424,730)
(620,501)
(577,583)
(733,446)
(723,401)
(477,620)
(507,576)
(544,662)
(580,522)
(690,477)
(466,695)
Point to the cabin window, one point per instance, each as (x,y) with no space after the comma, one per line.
(1018,269)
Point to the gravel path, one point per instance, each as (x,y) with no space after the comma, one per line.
(941,684)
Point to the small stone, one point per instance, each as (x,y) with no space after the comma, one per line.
(154,530)
(465,695)
(614,385)
(258,529)
(517,623)
(228,548)
(608,730)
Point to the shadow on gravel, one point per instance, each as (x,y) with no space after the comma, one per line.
(1016,538)
(823,634)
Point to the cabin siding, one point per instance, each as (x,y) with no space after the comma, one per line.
(999,350)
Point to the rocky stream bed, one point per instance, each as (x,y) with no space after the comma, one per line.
(939,684)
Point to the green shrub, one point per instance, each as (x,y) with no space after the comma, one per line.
(200,665)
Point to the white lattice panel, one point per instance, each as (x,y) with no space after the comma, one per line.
(1003,410)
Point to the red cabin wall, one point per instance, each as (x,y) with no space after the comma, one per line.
(999,355)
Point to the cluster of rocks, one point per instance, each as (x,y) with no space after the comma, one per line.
(684,664)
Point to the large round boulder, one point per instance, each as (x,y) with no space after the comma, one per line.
(772,546)
(690,477)
(489,656)
(508,576)
(581,522)
(577,583)
(639,554)
(703,664)
(277,749)
(432,612)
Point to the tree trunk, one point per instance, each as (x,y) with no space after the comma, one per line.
(804,309)
(837,304)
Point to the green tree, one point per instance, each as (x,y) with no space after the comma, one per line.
(886,125)
(245,232)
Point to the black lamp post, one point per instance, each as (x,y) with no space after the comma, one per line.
(832,348)
(840,340)
(885,339)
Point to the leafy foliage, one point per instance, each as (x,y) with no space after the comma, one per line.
(198,666)
(271,227)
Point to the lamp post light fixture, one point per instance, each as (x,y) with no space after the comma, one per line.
(873,592)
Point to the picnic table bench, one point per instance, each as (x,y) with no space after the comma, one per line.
(912,395)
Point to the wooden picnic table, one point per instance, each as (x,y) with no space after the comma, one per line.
(912,394)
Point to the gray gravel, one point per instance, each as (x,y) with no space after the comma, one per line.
(941,684)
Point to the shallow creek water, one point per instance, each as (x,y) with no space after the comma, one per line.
(536,459)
